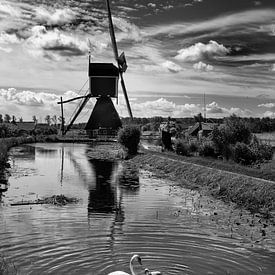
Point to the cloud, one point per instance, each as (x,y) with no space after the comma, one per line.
(200,66)
(53,44)
(160,107)
(54,17)
(9,10)
(215,110)
(30,98)
(201,51)
(171,66)
(269,114)
(152,5)
(267,105)
(235,20)
(273,67)
(6,38)
(128,31)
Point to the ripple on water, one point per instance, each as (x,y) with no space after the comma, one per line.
(173,229)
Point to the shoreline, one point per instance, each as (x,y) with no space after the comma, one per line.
(251,193)
(254,194)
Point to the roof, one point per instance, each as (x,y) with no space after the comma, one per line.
(26,125)
(193,130)
(104,115)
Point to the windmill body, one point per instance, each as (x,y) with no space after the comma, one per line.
(104,120)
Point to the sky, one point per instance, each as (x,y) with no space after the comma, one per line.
(176,50)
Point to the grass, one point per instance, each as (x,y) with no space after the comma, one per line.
(264,171)
(254,194)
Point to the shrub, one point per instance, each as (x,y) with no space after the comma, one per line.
(207,150)
(243,154)
(261,151)
(129,137)
(193,147)
(182,148)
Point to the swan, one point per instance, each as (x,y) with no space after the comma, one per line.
(148,272)
(137,257)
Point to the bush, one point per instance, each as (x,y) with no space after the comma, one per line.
(243,154)
(261,151)
(182,148)
(193,147)
(207,150)
(129,138)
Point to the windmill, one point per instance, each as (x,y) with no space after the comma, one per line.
(103,85)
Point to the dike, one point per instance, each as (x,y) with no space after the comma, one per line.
(254,194)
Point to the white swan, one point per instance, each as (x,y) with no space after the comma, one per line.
(148,272)
(131,267)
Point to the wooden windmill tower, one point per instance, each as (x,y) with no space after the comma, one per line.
(103,85)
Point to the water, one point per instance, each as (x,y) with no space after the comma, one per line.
(122,211)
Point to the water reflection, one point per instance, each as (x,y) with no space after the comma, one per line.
(46,152)
(3,188)
(24,152)
(102,197)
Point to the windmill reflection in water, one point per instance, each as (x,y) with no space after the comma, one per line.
(107,182)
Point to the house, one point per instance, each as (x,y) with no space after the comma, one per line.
(201,129)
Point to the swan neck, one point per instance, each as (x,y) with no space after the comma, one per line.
(131,267)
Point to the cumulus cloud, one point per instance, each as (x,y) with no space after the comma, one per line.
(200,66)
(214,109)
(201,51)
(273,67)
(160,107)
(54,17)
(30,98)
(54,43)
(171,66)
(6,38)
(269,114)
(267,105)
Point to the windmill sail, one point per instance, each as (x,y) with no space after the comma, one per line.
(117,58)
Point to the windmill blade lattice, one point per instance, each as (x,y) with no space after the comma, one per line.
(121,61)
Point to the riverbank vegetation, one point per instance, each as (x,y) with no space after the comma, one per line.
(254,194)
(129,138)
(231,140)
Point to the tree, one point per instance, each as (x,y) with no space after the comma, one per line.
(34,119)
(1,118)
(7,118)
(54,119)
(13,119)
(199,118)
(48,119)
(21,119)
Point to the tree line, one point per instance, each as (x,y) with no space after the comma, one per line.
(50,120)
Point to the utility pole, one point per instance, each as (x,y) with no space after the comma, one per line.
(204,109)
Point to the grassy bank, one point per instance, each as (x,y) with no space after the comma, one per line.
(7,143)
(256,195)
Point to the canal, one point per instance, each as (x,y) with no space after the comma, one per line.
(122,210)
